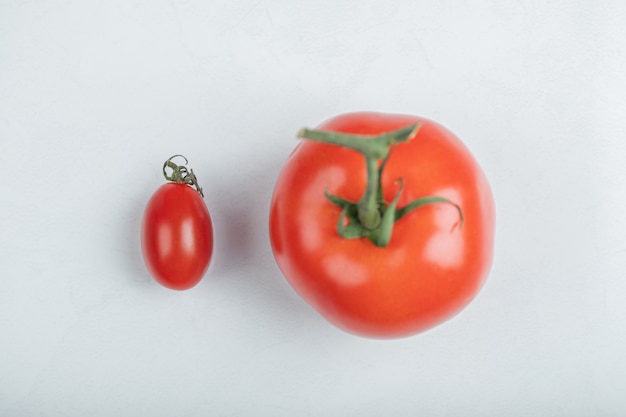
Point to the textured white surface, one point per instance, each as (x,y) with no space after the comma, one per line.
(94,96)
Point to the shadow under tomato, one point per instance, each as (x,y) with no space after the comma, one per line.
(130,237)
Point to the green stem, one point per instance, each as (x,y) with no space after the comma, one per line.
(180,174)
(372,216)
(374,149)
(376,146)
(369,214)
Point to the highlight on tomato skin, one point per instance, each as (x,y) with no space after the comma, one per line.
(397,272)
(177,232)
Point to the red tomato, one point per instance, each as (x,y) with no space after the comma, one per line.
(432,266)
(177,235)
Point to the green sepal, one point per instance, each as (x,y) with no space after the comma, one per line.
(383,235)
(338,201)
(401,212)
(352,230)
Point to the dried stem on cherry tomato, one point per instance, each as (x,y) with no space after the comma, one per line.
(180,174)
(372,216)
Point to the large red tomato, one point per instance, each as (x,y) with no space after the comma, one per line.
(438,254)
(177,232)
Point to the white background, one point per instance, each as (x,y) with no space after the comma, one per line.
(95,95)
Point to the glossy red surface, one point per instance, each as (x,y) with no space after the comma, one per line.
(430,270)
(177,236)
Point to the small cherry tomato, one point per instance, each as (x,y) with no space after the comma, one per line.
(176,230)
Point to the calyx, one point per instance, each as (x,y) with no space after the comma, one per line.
(372,217)
(180,174)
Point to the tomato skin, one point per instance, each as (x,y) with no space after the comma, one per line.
(431,269)
(177,236)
